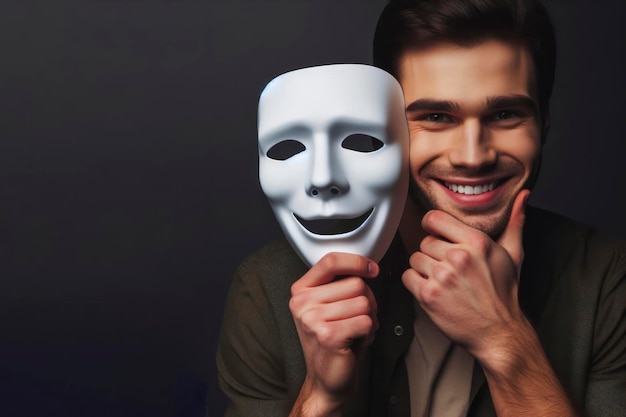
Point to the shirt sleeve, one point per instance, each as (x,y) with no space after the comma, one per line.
(249,358)
(606,389)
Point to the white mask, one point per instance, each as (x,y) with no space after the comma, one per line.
(333,158)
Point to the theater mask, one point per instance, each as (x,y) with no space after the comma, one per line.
(333,158)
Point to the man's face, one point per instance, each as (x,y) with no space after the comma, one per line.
(474,129)
(333,158)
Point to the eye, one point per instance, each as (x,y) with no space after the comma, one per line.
(285,149)
(362,143)
(504,114)
(436,117)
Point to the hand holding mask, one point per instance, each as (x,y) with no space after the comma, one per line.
(333,158)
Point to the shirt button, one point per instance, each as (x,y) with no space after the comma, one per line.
(398,330)
(393,400)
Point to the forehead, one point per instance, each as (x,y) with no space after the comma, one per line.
(466,73)
(321,96)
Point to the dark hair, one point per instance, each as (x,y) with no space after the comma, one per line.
(416,24)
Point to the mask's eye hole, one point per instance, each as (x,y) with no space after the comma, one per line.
(285,149)
(362,143)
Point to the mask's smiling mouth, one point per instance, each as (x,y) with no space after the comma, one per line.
(333,226)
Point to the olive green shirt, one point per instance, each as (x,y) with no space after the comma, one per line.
(572,288)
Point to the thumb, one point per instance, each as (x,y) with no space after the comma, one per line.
(511,238)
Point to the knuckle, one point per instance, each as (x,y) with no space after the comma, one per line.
(362,325)
(430,293)
(329,261)
(324,334)
(362,305)
(295,288)
(367,323)
(293,305)
(481,244)
(459,258)
(409,276)
(297,302)
(355,285)
(309,321)
(446,277)
(359,285)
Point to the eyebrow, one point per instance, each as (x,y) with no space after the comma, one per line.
(498,102)
(503,102)
(431,105)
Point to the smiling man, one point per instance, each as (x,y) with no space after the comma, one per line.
(481,306)
(475,127)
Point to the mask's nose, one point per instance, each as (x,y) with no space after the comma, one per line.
(327,179)
(324,191)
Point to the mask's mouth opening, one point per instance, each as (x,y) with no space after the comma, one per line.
(329,226)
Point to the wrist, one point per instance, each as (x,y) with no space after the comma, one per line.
(511,351)
(314,401)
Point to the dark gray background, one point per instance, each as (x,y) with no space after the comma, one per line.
(129,187)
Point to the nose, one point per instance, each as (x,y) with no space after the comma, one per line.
(472,148)
(327,178)
(324,191)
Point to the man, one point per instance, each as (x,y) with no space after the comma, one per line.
(481,306)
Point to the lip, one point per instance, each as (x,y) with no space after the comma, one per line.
(473,200)
(334,226)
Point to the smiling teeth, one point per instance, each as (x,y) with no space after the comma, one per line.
(470,189)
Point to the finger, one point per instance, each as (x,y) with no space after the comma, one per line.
(360,301)
(345,309)
(369,338)
(422,264)
(343,289)
(427,292)
(356,327)
(435,247)
(413,282)
(342,333)
(373,313)
(335,264)
(446,226)
(373,303)
(511,238)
